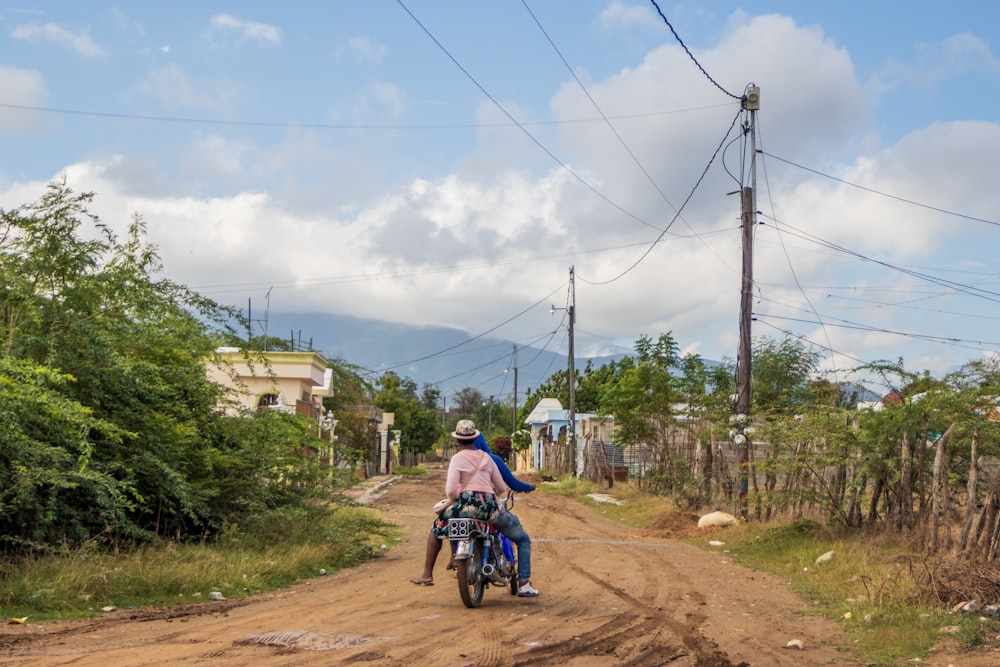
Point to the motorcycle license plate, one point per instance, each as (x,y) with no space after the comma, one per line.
(460,529)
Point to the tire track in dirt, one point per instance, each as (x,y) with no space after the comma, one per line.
(643,633)
(611,595)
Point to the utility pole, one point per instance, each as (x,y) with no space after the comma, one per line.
(514,422)
(572,374)
(742,432)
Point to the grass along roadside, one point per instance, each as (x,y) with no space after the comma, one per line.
(867,585)
(277,550)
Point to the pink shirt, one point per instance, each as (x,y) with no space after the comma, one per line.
(472,470)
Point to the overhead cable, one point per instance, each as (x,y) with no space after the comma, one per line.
(691,55)
(883,194)
(521,126)
(676,215)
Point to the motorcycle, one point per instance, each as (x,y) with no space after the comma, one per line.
(483,557)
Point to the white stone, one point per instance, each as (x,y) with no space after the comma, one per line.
(796,644)
(715,519)
(824,558)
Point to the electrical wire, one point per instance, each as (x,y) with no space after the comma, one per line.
(476,337)
(941,282)
(621,140)
(884,194)
(847,324)
(596,106)
(523,128)
(691,55)
(791,265)
(342,126)
(676,215)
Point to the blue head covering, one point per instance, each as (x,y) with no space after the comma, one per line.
(481,443)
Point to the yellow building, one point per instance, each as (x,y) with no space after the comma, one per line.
(288,381)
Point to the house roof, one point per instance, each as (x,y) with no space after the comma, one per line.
(550,410)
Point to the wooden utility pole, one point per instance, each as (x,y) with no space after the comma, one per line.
(571,432)
(514,423)
(741,419)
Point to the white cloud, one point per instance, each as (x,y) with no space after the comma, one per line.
(937,62)
(55,34)
(174,88)
(387,95)
(22,88)
(246,30)
(620,14)
(497,229)
(362,49)
(126,24)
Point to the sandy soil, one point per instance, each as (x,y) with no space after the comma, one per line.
(611,595)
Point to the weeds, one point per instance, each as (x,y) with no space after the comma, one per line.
(273,551)
(868,585)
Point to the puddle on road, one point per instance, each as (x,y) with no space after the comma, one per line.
(308,641)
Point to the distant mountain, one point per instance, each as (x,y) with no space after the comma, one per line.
(447,358)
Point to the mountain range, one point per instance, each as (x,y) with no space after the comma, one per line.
(448,358)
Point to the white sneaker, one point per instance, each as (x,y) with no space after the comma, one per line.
(526,590)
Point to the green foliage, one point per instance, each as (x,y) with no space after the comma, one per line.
(110,431)
(419,424)
(971,631)
(781,371)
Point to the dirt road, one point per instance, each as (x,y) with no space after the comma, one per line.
(611,595)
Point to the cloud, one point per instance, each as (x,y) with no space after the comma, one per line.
(478,237)
(387,96)
(174,88)
(245,30)
(126,24)
(618,14)
(22,88)
(55,34)
(938,62)
(362,49)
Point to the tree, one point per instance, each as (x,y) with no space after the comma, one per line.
(467,401)
(111,427)
(417,423)
(781,373)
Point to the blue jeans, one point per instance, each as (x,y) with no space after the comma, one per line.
(508,524)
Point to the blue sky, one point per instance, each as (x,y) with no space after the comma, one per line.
(446,162)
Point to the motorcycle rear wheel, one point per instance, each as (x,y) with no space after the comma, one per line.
(471,581)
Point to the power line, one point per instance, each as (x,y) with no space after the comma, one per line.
(187,120)
(883,194)
(941,282)
(676,215)
(476,337)
(691,55)
(847,324)
(624,145)
(593,102)
(791,267)
(522,127)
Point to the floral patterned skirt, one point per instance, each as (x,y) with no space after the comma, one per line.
(470,504)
